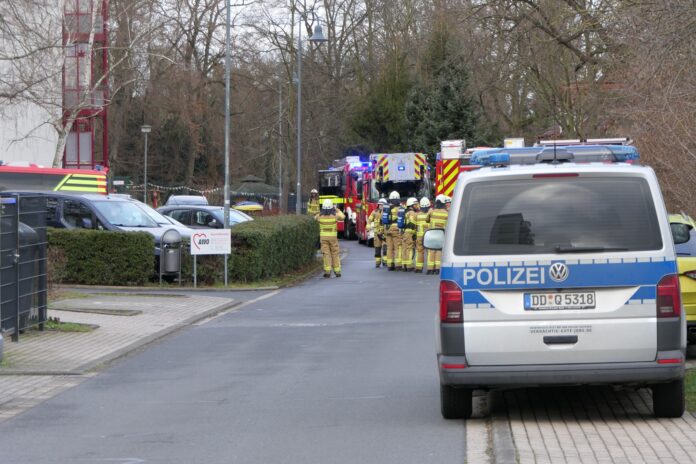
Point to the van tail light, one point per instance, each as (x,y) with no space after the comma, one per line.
(451,306)
(668,297)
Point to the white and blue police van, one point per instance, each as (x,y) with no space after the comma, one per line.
(558,268)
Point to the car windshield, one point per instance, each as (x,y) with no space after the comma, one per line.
(557,215)
(153,214)
(235,216)
(124,214)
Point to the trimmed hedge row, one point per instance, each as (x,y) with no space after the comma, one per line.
(263,248)
(100,257)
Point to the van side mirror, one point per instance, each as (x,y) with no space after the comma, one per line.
(213,224)
(680,232)
(86,223)
(433,239)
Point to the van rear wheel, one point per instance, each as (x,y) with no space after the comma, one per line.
(668,399)
(456,403)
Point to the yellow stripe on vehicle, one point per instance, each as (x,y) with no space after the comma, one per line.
(70,188)
(85,182)
(91,176)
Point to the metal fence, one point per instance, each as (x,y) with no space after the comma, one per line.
(23,263)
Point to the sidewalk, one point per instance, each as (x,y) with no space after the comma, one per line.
(45,363)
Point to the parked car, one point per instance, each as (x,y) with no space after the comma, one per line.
(176,200)
(558,268)
(684,235)
(203,217)
(100,212)
(248,206)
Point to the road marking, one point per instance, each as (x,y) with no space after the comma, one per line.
(237,308)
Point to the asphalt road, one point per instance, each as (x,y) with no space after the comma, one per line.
(330,371)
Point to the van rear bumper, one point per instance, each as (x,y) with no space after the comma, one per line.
(485,377)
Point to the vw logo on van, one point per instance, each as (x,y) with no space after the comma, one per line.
(558,272)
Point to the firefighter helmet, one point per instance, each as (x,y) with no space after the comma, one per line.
(394,195)
(314,191)
(327,204)
(382,201)
(411,201)
(447,199)
(425,203)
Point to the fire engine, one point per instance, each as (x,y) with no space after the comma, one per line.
(342,184)
(452,160)
(407,173)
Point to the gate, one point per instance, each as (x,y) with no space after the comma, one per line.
(23,263)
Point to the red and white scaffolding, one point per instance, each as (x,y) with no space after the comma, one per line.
(85,84)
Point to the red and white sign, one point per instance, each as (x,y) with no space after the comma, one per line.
(211,242)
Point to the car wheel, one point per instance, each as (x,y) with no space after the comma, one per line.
(668,399)
(456,402)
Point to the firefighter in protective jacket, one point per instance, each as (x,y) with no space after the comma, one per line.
(313,204)
(375,223)
(409,232)
(390,219)
(437,219)
(421,227)
(328,219)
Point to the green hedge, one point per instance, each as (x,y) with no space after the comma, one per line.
(99,257)
(263,248)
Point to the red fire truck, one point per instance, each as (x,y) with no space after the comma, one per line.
(342,184)
(407,173)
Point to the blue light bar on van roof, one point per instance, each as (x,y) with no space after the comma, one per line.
(561,154)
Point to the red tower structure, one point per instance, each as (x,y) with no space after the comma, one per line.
(85,83)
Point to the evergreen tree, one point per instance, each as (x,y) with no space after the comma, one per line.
(442,109)
(379,116)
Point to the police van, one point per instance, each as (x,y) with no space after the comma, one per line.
(558,268)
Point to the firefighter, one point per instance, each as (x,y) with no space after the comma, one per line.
(421,227)
(328,218)
(407,239)
(313,204)
(375,223)
(437,219)
(390,221)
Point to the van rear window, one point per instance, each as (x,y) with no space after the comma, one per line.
(557,215)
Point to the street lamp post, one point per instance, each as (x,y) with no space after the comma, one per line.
(226,189)
(145,129)
(317,37)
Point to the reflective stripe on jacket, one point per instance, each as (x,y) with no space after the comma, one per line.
(438,218)
(421,224)
(376,220)
(411,224)
(327,224)
(313,207)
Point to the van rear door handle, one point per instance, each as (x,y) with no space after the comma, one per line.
(560,339)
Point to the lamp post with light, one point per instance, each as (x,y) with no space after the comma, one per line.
(317,37)
(145,129)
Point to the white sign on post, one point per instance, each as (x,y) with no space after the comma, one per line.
(211,242)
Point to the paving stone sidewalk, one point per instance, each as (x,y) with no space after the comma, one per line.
(44,363)
(577,425)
